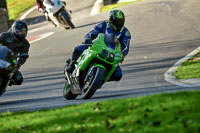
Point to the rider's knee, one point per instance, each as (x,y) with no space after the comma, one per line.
(118,76)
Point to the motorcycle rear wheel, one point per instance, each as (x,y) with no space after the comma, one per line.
(93,83)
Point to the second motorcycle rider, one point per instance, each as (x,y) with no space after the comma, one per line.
(15,39)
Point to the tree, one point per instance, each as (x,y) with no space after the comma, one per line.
(3,4)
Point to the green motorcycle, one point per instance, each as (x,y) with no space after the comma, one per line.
(93,68)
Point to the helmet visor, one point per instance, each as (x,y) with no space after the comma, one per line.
(119,23)
(20,33)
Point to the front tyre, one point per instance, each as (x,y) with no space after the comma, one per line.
(67,92)
(67,20)
(3,84)
(93,82)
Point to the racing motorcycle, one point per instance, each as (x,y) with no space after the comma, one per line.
(58,14)
(8,64)
(93,68)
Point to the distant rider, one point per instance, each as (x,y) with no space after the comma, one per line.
(42,8)
(40,5)
(15,40)
(115,25)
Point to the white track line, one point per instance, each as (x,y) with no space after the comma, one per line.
(96,7)
(26,13)
(44,36)
(170,78)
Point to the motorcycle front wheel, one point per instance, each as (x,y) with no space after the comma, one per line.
(3,84)
(67,92)
(67,20)
(93,82)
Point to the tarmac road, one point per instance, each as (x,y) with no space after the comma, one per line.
(163,31)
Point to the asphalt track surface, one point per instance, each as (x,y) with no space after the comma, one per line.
(163,31)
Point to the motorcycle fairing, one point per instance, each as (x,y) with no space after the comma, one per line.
(94,54)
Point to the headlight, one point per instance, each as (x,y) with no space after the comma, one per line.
(4,64)
(104,52)
(112,56)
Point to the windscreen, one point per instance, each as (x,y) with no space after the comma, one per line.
(6,54)
(110,40)
(3,52)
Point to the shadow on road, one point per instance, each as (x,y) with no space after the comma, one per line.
(35,20)
(141,91)
(85,25)
(148,65)
(41,19)
(30,100)
(81,8)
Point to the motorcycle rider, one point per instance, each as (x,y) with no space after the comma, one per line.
(41,8)
(40,5)
(15,40)
(115,25)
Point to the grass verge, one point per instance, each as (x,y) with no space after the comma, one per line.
(189,68)
(112,6)
(164,113)
(15,7)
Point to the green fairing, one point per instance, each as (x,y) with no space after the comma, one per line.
(99,65)
(119,14)
(67,87)
(95,51)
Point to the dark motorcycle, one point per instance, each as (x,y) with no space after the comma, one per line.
(8,64)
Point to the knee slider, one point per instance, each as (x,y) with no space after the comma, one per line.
(118,76)
(19,80)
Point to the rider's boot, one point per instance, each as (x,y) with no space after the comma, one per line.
(46,16)
(54,25)
(16,79)
(71,67)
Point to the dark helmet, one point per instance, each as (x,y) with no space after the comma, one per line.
(116,19)
(20,29)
